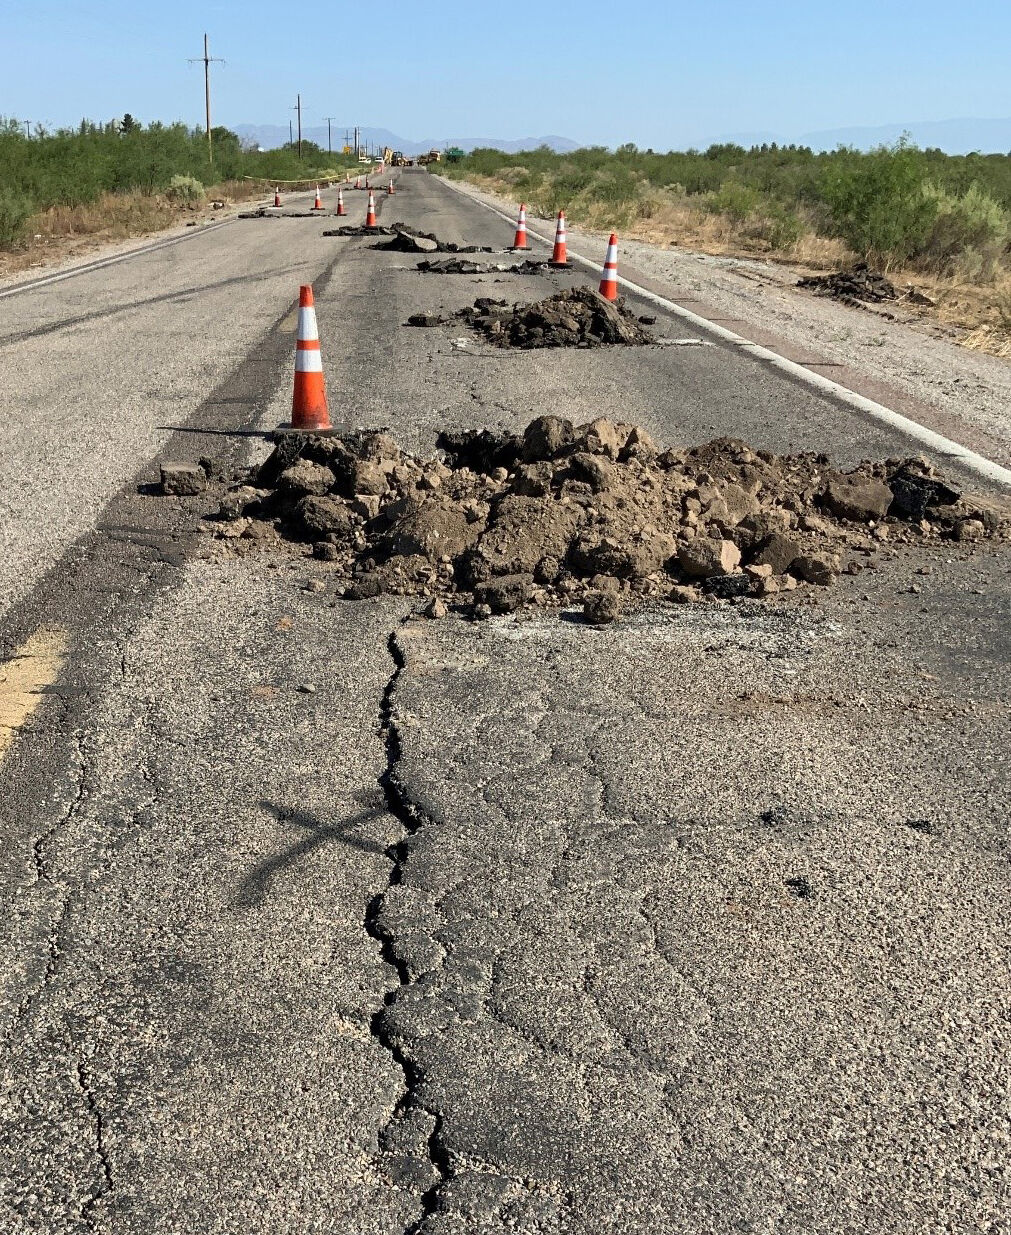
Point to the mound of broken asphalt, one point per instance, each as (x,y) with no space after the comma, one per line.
(578,317)
(596,514)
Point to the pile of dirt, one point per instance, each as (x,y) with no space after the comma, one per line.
(577,317)
(460,265)
(265,212)
(378,230)
(596,514)
(861,283)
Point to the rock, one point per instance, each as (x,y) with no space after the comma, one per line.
(533,479)
(638,445)
(601,437)
(778,551)
(433,528)
(370,479)
(521,532)
(436,608)
(819,568)
(547,570)
(969,529)
(236,501)
(545,437)
(856,497)
(317,517)
(728,587)
(364,587)
(703,557)
(426,319)
(324,551)
(505,593)
(183,479)
(304,478)
(683,594)
(600,608)
(596,471)
(365,505)
(913,494)
(738,505)
(315,585)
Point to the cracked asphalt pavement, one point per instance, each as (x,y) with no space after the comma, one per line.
(325,917)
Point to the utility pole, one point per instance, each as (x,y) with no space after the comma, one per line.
(298,108)
(28,128)
(329,141)
(208,60)
(291,135)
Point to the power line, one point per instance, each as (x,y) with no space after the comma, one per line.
(208,60)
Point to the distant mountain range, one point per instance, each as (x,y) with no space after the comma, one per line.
(952,136)
(269,136)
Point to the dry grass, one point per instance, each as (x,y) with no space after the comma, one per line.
(978,312)
(62,232)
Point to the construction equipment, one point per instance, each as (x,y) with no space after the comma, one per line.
(433,156)
(387,155)
(397,159)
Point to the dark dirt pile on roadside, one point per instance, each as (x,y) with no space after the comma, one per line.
(578,317)
(860,283)
(596,514)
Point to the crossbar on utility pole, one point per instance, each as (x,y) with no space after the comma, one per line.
(208,60)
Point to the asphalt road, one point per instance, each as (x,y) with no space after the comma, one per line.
(326,918)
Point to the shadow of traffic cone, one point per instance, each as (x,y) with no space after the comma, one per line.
(609,277)
(308,404)
(340,202)
(277,196)
(317,204)
(370,218)
(560,253)
(521,229)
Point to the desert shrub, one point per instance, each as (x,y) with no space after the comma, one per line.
(877,201)
(15,210)
(735,201)
(969,234)
(184,189)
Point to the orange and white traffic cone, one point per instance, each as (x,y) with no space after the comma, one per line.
(389,190)
(560,253)
(358,182)
(521,229)
(317,204)
(277,196)
(340,202)
(609,277)
(308,404)
(370,218)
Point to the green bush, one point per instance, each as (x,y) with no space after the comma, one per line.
(185,189)
(735,200)
(877,201)
(969,234)
(15,210)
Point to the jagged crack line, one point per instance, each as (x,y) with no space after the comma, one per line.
(412,817)
(105,1184)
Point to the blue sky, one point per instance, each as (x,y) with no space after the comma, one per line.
(661,75)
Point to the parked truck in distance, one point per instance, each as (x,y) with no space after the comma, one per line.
(433,156)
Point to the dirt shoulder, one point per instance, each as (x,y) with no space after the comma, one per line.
(892,354)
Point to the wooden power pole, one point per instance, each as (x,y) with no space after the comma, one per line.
(329,139)
(208,60)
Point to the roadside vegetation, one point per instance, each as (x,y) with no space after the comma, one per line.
(939,221)
(125,179)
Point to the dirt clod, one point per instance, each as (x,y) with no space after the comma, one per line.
(596,515)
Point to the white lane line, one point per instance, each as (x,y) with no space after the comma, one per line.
(87,267)
(895,420)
